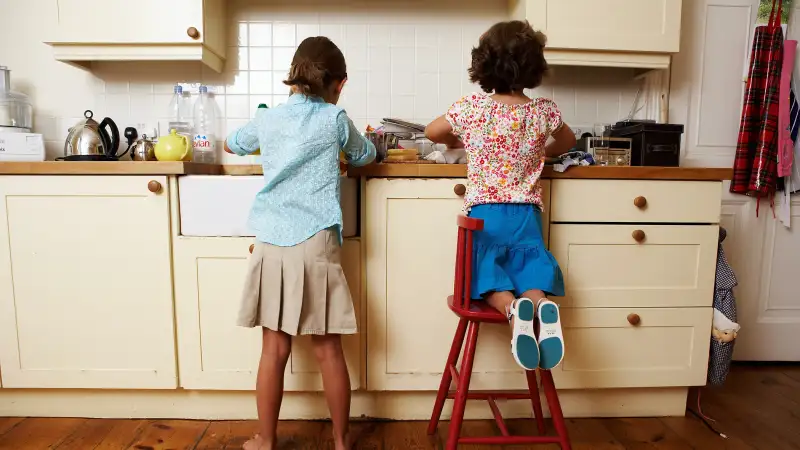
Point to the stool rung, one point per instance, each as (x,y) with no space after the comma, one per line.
(509,440)
(498,395)
(454,374)
(501,424)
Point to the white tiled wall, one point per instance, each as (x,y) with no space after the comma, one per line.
(406,59)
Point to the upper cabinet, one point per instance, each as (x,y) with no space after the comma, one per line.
(177,30)
(617,33)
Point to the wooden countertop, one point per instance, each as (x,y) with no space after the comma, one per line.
(373,171)
(108,168)
(588,172)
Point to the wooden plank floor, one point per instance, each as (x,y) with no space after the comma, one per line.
(759,408)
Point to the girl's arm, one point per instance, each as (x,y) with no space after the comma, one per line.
(563,141)
(441,132)
(243,141)
(358,150)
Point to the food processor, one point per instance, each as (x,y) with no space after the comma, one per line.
(17,143)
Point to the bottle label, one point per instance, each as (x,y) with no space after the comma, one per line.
(203,142)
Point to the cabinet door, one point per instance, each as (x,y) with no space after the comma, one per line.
(411,243)
(667,347)
(129,22)
(604,266)
(86,283)
(215,353)
(616,25)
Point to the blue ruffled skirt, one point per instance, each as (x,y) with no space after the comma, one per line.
(510,253)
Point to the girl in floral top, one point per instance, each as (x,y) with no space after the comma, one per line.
(505,134)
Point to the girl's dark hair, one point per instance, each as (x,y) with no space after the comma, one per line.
(317,63)
(509,58)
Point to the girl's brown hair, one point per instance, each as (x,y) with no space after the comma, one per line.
(317,63)
(509,58)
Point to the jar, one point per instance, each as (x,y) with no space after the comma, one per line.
(15,108)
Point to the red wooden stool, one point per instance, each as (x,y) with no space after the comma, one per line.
(471,316)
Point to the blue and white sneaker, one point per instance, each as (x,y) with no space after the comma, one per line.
(551,337)
(523,342)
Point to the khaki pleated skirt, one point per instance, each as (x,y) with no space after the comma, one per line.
(299,289)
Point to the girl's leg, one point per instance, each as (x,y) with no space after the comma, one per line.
(336,381)
(275,349)
(534,294)
(501,301)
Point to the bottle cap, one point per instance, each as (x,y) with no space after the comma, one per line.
(262,105)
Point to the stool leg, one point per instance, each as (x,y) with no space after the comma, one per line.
(462,391)
(447,377)
(536,401)
(555,408)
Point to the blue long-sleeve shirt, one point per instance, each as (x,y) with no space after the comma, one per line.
(300,143)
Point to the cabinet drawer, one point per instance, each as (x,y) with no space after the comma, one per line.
(616,201)
(605,266)
(667,347)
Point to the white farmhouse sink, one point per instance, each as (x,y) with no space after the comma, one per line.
(213,205)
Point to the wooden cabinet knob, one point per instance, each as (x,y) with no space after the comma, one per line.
(638,235)
(460,190)
(634,319)
(640,202)
(154,186)
(193,33)
(252,247)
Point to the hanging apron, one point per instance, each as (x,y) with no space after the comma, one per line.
(785,140)
(755,167)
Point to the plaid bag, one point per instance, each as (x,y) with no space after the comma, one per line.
(755,167)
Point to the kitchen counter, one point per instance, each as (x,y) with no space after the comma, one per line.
(372,171)
(108,168)
(194,363)
(593,172)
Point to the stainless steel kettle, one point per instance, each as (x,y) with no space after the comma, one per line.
(90,141)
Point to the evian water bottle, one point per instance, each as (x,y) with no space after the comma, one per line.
(204,137)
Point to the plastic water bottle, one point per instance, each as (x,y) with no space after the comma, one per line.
(204,138)
(179,113)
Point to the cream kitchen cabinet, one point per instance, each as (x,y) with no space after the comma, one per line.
(605,266)
(612,25)
(176,30)
(215,353)
(86,283)
(634,347)
(410,251)
(622,33)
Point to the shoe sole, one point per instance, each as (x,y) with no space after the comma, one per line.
(551,338)
(523,343)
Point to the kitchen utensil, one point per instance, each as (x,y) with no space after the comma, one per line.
(379,141)
(90,141)
(15,108)
(173,147)
(143,150)
(397,125)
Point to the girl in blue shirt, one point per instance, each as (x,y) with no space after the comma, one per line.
(295,284)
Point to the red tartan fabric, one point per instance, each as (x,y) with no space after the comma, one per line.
(755,167)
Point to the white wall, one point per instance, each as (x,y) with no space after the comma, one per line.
(406,58)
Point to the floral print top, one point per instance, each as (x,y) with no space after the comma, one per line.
(505,147)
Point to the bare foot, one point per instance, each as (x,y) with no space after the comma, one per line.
(257,443)
(343,444)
